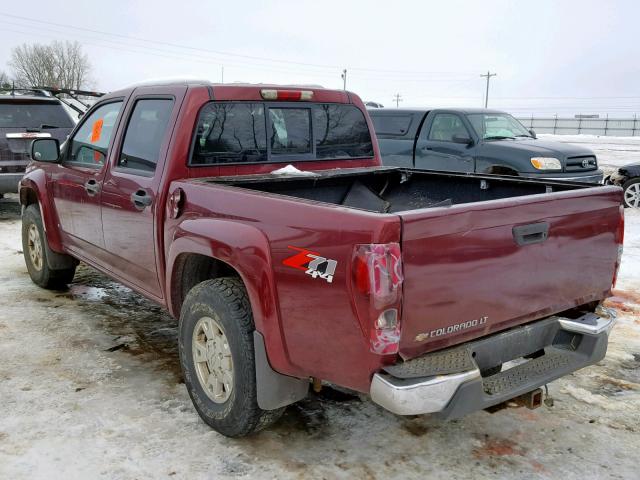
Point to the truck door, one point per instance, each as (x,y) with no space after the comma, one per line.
(444,144)
(130,202)
(77,183)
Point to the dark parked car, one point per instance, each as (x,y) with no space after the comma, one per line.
(628,177)
(477,140)
(25,115)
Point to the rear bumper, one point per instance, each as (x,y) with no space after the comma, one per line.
(568,345)
(9,182)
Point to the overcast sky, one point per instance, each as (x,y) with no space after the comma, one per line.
(564,56)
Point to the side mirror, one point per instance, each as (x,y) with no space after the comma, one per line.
(462,139)
(533,133)
(45,150)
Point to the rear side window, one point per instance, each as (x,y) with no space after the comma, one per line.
(33,114)
(341,131)
(391,124)
(230,133)
(238,132)
(90,142)
(145,134)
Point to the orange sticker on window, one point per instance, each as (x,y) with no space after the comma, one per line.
(96,131)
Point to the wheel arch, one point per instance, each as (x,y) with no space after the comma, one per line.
(204,248)
(33,191)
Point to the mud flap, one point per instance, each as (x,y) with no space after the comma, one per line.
(59,261)
(274,389)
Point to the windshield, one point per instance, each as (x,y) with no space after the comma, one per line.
(33,114)
(497,125)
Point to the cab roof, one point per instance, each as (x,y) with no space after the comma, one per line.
(243,91)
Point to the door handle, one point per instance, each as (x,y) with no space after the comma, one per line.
(92,187)
(141,199)
(426,148)
(532,233)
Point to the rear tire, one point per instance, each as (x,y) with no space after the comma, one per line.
(218,358)
(631,190)
(36,251)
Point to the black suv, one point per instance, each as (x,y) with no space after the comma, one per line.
(26,114)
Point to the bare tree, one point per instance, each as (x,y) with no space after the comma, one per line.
(5,81)
(59,64)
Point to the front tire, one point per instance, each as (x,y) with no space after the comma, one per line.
(36,252)
(218,359)
(631,190)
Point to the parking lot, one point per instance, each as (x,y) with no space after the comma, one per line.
(91,388)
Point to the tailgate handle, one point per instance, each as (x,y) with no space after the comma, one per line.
(530,234)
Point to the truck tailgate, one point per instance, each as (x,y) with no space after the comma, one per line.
(474,269)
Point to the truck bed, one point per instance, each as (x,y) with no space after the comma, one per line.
(480,254)
(392,190)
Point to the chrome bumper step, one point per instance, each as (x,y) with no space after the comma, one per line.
(449,382)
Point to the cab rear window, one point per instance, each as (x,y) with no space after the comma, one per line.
(33,114)
(242,132)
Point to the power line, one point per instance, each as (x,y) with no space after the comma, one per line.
(160,42)
(162,52)
(166,54)
(218,52)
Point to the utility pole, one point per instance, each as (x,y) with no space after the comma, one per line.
(486,97)
(397,98)
(344,79)
(222,74)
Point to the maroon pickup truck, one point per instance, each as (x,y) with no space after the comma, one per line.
(261,218)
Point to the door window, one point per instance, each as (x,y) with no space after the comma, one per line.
(89,144)
(445,126)
(145,133)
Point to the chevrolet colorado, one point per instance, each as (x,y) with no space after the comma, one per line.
(477,140)
(415,287)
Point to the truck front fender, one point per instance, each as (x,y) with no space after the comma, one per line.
(33,189)
(245,249)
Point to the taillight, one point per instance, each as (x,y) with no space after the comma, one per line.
(619,241)
(286,95)
(378,276)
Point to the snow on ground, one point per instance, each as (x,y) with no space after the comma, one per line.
(91,388)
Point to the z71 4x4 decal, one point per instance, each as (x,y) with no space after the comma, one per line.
(311,263)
